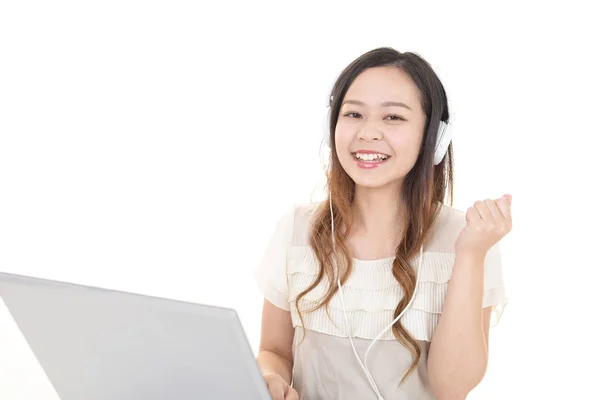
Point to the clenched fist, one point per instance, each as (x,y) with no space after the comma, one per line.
(488,221)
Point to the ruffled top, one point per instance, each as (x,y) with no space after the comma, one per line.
(323,365)
(371,293)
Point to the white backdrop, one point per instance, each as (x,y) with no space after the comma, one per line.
(151,147)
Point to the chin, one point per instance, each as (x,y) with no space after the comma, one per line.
(373,178)
(375,183)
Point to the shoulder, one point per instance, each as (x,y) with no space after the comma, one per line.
(291,231)
(305,211)
(450,217)
(302,216)
(447,226)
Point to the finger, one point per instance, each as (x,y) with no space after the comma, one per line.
(278,392)
(494,211)
(472,215)
(504,204)
(483,210)
(292,395)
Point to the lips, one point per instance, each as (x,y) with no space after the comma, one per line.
(368,159)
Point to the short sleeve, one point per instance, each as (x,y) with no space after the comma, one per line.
(271,274)
(494,294)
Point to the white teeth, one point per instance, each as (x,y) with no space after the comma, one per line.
(371,157)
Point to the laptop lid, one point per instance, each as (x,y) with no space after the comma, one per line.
(95,343)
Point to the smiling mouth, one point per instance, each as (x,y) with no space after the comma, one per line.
(370,157)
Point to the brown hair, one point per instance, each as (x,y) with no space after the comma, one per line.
(424,190)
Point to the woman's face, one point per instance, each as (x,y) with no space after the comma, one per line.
(380,127)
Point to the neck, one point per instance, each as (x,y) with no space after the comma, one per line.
(377,211)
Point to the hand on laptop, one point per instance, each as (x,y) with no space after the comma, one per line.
(279,388)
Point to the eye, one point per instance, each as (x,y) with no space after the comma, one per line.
(352,115)
(394,117)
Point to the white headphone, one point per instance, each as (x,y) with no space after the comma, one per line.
(443,138)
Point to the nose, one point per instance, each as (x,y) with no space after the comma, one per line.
(369,131)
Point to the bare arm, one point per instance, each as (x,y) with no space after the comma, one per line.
(458,354)
(277,335)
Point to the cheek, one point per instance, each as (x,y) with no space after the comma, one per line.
(404,143)
(343,137)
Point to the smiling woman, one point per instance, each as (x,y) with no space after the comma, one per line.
(384,258)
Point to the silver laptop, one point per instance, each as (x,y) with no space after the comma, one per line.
(101,344)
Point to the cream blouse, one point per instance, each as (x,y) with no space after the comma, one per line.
(325,366)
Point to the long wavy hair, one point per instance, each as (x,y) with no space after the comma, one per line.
(425,188)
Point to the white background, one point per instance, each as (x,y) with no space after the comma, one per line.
(151,147)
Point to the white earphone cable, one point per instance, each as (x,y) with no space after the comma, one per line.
(403,311)
(366,371)
(364,365)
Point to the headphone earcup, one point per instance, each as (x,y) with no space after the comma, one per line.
(444,136)
(326,133)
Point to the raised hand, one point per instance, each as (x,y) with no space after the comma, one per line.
(488,221)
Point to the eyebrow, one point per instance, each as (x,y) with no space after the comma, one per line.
(384,104)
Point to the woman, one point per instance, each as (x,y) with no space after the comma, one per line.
(383,291)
